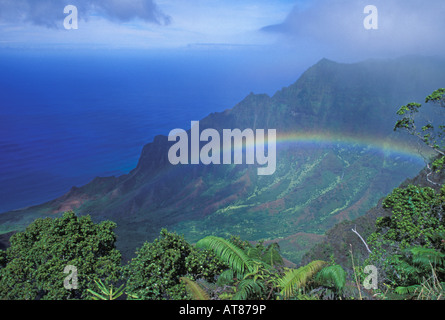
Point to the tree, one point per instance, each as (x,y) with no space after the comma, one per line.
(408,245)
(2,259)
(35,263)
(159,270)
(432,134)
(417,220)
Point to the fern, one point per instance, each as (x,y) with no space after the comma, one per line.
(225,278)
(425,256)
(407,290)
(405,268)
(297,278)
(248,287)
(195,289)
(253,253)
(272,255)
(233,256)
(421,265)
(335,275)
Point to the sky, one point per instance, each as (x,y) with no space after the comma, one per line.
(148,24)
(312,28)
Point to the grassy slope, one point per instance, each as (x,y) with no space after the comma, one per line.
(339,239)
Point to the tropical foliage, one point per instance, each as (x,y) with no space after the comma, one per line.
(411,263)
(431,132)
(295,279)
(195,290)
(106,292)
(249,276)
(33,267)
(156,271)
(407,248)
(257,272)
(408,245)
(426,273)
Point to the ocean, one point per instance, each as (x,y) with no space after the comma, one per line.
(67,117)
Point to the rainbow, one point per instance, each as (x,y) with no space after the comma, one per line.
(388,146)
(235,140)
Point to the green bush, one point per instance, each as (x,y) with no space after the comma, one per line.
(33,267)
(156,271)
(416,222)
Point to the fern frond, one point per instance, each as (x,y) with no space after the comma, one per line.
(227,252)
(297,278)
(425,256)
(272,255)
(407,290)
(405,267)
(253,253)
(335,275)
(195,289)
(247,288)
(226,277)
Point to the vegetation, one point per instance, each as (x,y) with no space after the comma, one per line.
(156,272)
(411,263)
(431,134)
(409,244)
(407,248)
(33,267)
(106,293)
(168,268)
(252,272)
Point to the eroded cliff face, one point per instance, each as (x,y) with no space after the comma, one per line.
(316,184)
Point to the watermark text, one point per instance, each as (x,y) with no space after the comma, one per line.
(234,142)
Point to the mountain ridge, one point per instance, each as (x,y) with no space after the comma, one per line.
(311,182)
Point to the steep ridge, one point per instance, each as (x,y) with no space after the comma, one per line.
(339,240)
(337,156)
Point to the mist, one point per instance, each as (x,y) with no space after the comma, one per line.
(336,28)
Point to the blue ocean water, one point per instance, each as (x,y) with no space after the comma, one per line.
(67,117)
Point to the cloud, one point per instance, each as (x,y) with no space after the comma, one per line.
(404,26)
(49,13)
